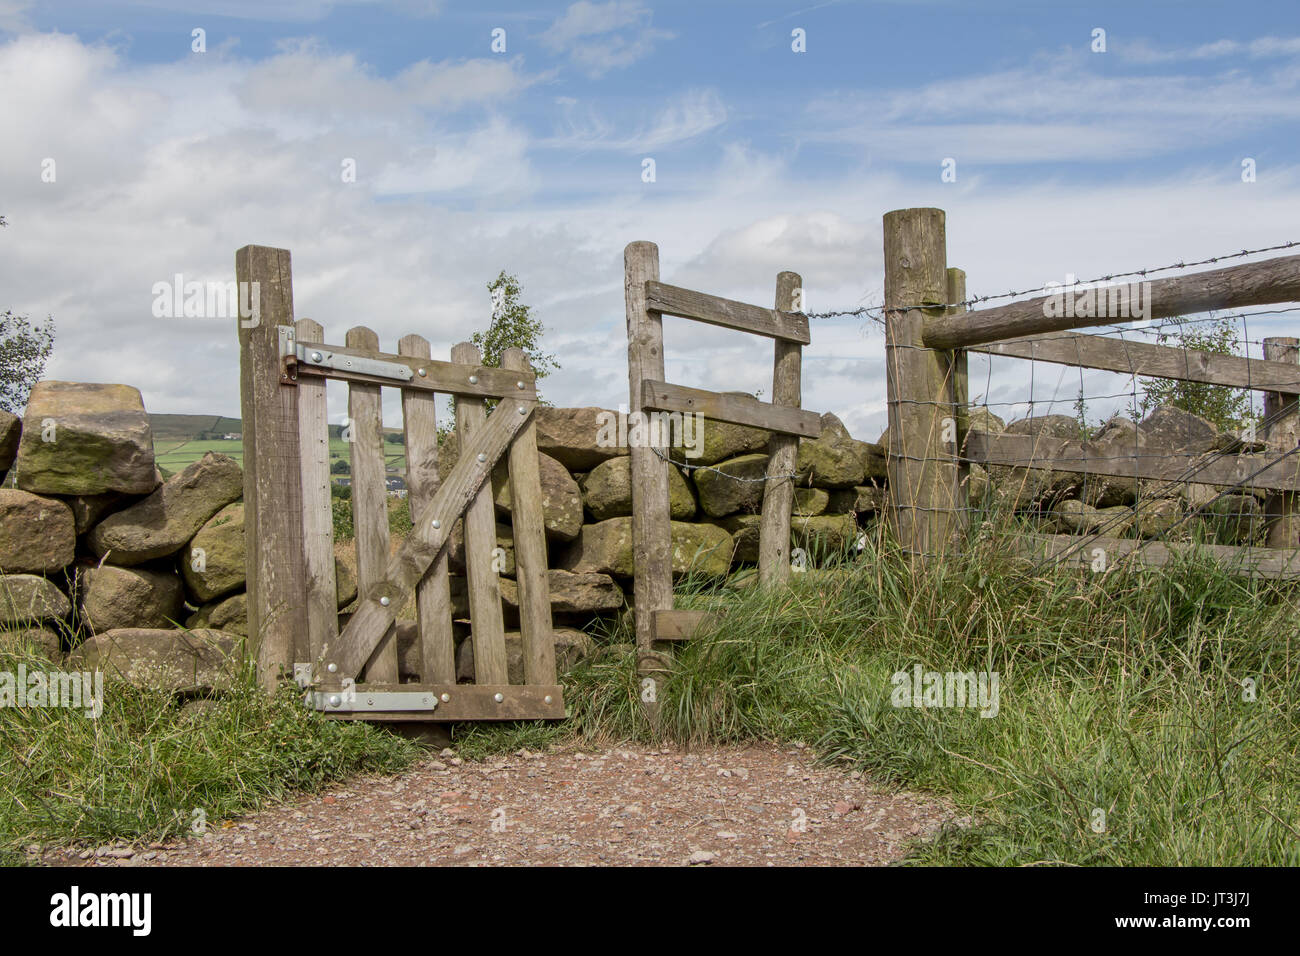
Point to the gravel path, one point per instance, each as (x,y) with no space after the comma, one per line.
(730,806)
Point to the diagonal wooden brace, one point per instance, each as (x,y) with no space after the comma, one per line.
(373,617)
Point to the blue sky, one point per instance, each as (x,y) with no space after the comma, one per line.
(469,161)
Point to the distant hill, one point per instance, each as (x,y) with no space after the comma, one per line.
(176,428)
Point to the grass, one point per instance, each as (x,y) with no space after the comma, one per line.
(1119,692)
(175,455)
(147,769)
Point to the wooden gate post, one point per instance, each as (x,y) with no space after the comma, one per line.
(778,493)
(651,514)
(960,411)
(1282,436)
(272,479)
(919,382)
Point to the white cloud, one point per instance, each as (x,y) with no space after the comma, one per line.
(600,37)
(687,115)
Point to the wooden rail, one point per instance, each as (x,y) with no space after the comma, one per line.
(662,396)
(1076,551)
(714,310)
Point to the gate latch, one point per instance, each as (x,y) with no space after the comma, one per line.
(294,353)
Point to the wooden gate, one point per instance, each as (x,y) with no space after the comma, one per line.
(648,300)
(353,672)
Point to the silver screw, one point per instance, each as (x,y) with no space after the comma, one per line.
(333,668)
(482,457)
(519,384)
(473,379)
(436,524)
(423,372)
(370,702)
(522,410)
(446,698)
(335,700)
(384,600)
(499,698)
(547,698)
(316,356)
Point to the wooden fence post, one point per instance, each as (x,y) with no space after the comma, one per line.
(1282,436)
(960,411)
(919,381)
(651,516)
(273,559)
(778,493)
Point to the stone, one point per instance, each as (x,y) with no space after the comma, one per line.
(874,460)
(561,498)
(101,441)
(164,522)
(810,501)
(981,419)
(606,548)
(1179,431)
(744,530)
(571,646)
(824,535)
(607,491)
(345,582)
(833,460)
(88,509)
(213,565)
(721,495)
(505,541)
(11,429)
(572,593)
(229,615)
(1236,519)
(1155,516)
(29,599)
(1116,438)
(111,597)
(176,661)
(37,534)
(861,499)
(1053,426)
(42,641)
(578,438)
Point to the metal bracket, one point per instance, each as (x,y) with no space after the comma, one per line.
(349,700)
(294,353)
(302,675)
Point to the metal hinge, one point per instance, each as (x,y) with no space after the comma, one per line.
(294,353)
(349,700)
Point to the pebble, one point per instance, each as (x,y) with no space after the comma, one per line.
(702,856)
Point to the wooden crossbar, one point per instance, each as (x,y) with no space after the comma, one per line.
(1076,551)
(427,374)
(786,419)
(728,313)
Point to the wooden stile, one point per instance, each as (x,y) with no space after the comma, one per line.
(661,396)
(714,310)
(433,592)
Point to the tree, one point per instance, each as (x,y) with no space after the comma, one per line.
(24,350)
(513,326)
(340,467)
(1227,408)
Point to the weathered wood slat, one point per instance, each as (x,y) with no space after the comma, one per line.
(321,594)
(1257,562)
(663,396)
(486,620)
(272,487)
(1282,433)
(471,702)
(1028,451)
(680,625)
(778,492)
(370,498)
(447,377)
(1152,361)
(714,310)
(1257,283)
(433,593)
(651,545)
(425,543)
(530,543)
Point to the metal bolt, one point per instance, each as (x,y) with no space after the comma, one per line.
(522,410)
(473,379)
(482,457)
(547,698)
(436,524)
(384,600)
(446,698)
(335,700)
(333,668)
(499,698)
(316,356)
(519,384)
(370,702)
(422,372)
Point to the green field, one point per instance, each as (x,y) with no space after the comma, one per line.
(175,455)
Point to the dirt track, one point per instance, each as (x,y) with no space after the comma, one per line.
(753,806)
